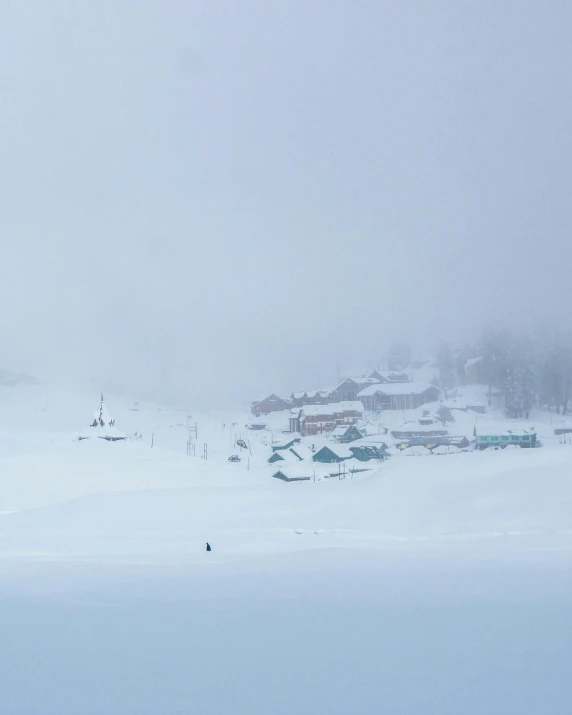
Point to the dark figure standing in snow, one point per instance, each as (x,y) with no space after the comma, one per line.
(208,547)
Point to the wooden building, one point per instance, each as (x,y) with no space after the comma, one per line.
(397,396)
(323,419)
(272,403)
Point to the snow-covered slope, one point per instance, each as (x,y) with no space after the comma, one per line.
(64,496)
(436,584)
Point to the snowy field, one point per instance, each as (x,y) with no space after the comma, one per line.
(433,584)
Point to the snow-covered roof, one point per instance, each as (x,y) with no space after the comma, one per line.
(285,440)
(444,449)
(332,409)
(301,451)
(361,380)
(375,440)
(340,450)
(341,430)
(503,432)
(392,374)
(360,371)
(397,388)
(415,451)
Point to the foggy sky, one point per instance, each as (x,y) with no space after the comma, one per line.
(204,200)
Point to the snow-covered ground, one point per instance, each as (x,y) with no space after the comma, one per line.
(431,584)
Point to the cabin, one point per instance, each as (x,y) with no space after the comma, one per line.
(365,451)
(292,476)
(332,453)
(522,439)
(397,396)
(346,433)
(272,403)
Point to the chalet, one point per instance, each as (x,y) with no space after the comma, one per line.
(345,433)
(348,389)
(323,419)
(519,438)
(330,453)
(269,404)
(397,396)
(365,450)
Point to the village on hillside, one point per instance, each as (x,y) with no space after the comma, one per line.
(374,414)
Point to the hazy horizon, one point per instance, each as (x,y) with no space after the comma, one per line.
(214,200)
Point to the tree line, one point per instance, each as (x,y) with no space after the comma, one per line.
(526,371)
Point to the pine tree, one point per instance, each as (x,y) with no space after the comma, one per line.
(444,415)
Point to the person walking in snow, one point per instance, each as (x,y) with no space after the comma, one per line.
(208,547)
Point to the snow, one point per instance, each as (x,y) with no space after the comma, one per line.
(444,449)
(439,585)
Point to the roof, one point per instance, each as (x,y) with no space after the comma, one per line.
(102,413)
(506,433)
(332,409)
(342,429)
(286,441)
(340,450)
(444,449)
(415,451)
(272,398)
(391,375)
(361,380)
(301,451)
(397,388)
(373,441)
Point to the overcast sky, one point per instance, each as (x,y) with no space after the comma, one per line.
(208,199)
